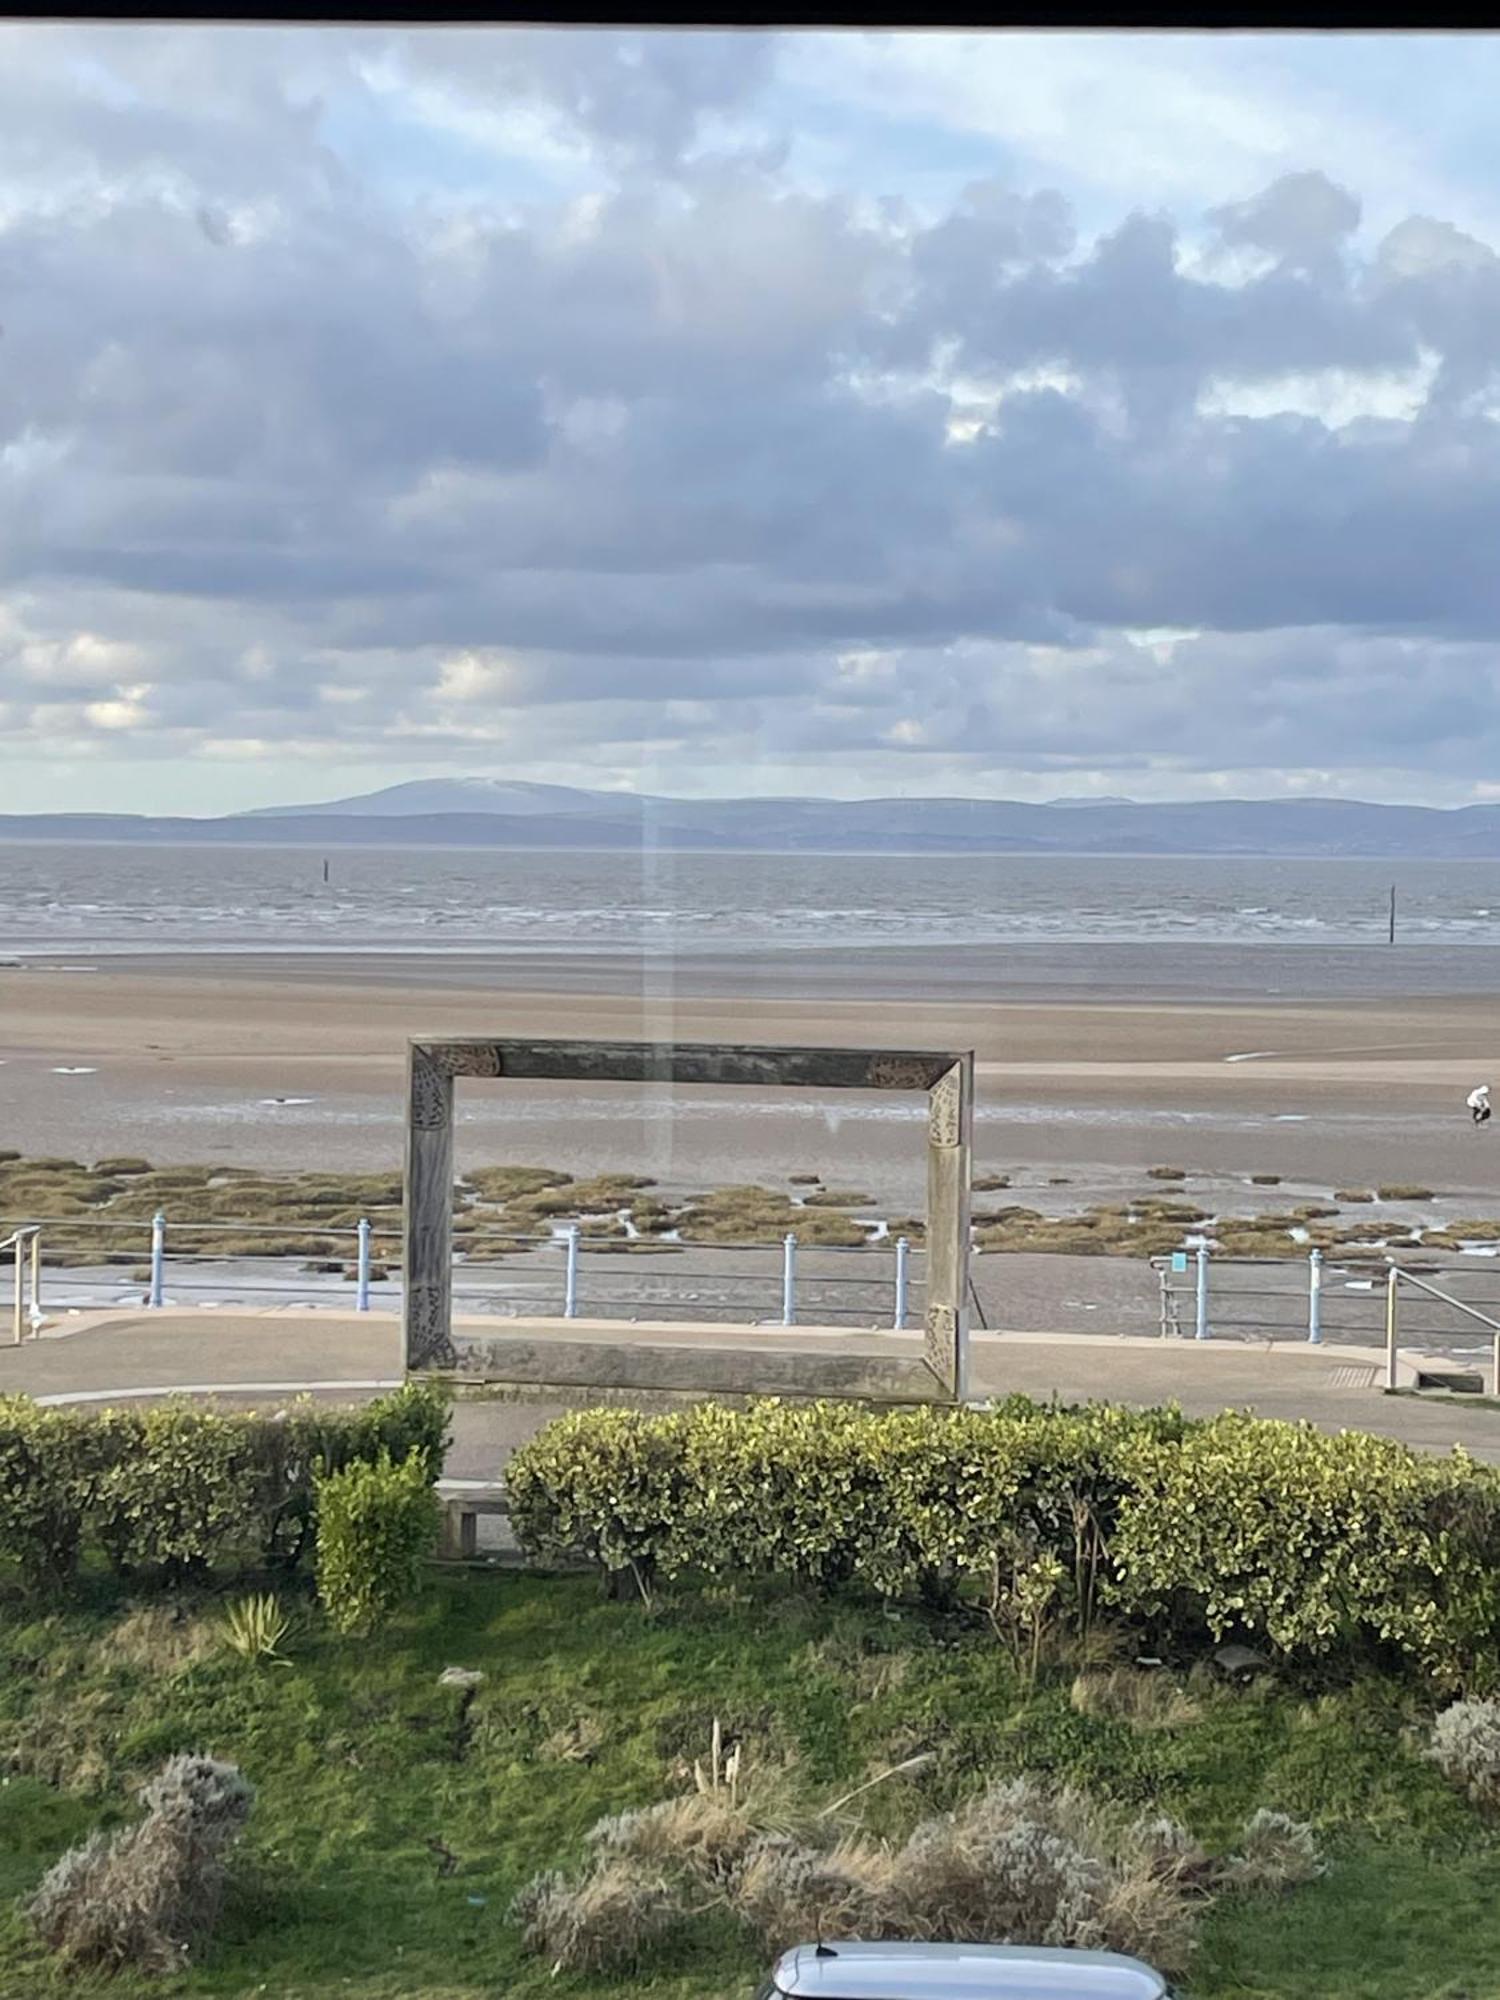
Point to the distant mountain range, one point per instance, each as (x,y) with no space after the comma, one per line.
(496,812)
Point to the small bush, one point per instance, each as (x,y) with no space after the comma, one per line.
(1466,1748)
(1020,1862)
(1277,1853)
(610,1918)
(377,1522)
(147,1898)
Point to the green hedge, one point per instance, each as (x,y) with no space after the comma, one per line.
(179,1491)
(377,1521)
(1275,1532)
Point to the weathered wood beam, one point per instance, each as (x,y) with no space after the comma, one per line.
(692,1062)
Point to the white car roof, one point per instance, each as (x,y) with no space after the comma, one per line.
(849,1971)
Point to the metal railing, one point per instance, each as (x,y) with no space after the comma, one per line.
(25,1246)
(1395,1279)
(1206,1295)
(567,1272)
(1210,1282)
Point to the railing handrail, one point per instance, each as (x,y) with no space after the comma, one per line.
(1406,1277)
(26,1245)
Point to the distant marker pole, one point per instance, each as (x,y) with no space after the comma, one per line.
(1391,939)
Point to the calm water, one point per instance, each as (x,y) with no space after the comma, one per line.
(100,900)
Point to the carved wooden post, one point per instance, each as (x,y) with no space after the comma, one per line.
(427,1288)
(950,1139)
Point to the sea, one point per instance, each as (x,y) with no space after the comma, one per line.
(104,900)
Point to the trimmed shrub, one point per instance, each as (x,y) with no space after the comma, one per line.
(178,1492)
(48,1464)
(377,1522)
(148,1897)
(1311,1543)
(175,1492)
(1235,1527)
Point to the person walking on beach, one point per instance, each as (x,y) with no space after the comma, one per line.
(1478,1102)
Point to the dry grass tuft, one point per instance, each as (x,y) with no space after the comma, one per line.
(148,1896)
(1144,1699)
(610,1918)
(157,1639)
(1275,1853)
(1465,1747)
(577,1742)
(706,1835)
(787,1893)
(1020,1862)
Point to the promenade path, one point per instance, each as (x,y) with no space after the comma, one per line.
(248,1357)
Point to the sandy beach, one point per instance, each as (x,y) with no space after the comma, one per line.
(298,1061)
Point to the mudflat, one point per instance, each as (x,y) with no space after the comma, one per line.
(299,1061)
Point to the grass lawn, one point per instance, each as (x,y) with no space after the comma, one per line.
(361,1760)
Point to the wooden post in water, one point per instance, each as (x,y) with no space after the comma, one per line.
(1391,939)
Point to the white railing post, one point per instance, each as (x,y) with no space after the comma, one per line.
(903,1255)
(362,1268)
(1200,1329)
(789,1280)
(35,1313)
(15,1244)
(1315,1297)
(158,1256)
(1393,1279)
(570,1282)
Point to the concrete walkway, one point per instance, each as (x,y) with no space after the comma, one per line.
(248,1356)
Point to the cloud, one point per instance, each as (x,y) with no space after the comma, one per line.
(588,430)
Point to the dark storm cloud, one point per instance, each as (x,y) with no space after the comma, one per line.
(284,443)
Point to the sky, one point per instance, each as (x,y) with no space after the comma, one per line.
(1013,415)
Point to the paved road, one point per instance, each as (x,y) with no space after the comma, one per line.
(263,1357)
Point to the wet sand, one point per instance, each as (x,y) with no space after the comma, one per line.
(298,1061)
